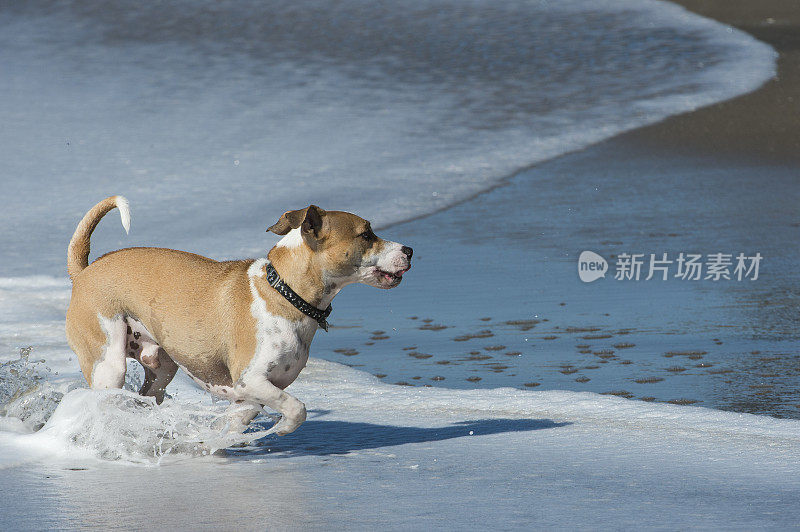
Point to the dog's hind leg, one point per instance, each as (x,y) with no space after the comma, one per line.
(85,337)
(108,370)
(159,369)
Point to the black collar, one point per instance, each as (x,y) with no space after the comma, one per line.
(299,303)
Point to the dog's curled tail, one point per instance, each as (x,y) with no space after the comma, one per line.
(78,250)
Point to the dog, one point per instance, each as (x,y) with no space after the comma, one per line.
(241,329)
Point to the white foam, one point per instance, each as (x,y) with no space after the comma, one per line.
(30,304)
(559,458)
(122,426)
(328,385)
(43,282)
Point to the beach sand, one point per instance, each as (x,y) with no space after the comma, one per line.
(764,124)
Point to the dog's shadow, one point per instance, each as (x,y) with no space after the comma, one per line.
(320,437)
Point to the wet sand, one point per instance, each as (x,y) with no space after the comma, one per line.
(764,124)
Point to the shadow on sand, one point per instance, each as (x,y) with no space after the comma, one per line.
(320,437)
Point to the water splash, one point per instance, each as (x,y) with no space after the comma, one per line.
(120,425)
(25,393)
(117,425)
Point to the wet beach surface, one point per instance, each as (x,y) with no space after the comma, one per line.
(494,299)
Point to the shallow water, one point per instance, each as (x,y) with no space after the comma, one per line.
(509,277)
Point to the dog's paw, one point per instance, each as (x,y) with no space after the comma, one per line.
(287,424)
(284,427)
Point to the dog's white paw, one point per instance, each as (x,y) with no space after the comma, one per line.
(288,424)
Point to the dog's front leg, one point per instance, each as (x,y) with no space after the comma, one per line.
(260,390)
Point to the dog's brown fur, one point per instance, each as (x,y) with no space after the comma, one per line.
(214,345)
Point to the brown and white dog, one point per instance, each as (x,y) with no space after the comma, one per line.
(221,322)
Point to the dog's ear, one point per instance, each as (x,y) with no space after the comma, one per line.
(310,219)
(312,222)
(288,221)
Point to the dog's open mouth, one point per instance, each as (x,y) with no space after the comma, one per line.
(389,277)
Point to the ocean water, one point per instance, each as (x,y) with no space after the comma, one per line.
(213,118)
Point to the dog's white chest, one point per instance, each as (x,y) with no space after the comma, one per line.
(281,350)
(281,345)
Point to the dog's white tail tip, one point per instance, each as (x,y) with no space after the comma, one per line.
(124,212)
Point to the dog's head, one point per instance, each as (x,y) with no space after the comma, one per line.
(344,247)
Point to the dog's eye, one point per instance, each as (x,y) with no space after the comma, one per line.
(367,235)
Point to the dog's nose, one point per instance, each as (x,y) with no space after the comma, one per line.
(407,251)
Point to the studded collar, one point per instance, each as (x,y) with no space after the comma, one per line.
(298,302)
